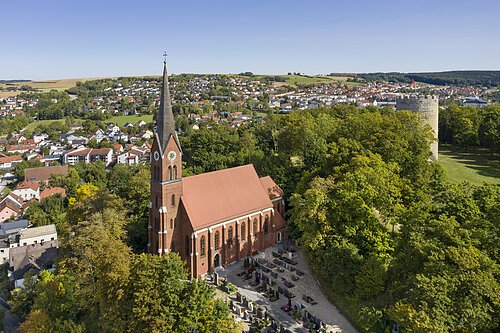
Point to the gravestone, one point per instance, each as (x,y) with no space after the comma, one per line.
(250,306)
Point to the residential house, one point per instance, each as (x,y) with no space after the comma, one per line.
(8,210)
(35,249)
(20,148)
(77,155)
(8,232)
(48,192)
(28,190)
(42,174)
(7,162)
(127,158)
(75,141)
(102,154)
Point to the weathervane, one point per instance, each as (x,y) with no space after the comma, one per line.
(165,56)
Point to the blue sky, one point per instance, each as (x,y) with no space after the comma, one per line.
(72,39)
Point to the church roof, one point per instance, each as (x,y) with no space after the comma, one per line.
(219,196)
(272,190)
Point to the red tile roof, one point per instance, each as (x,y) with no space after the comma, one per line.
(100,151)
(19,147)
(273,190)
(32,184)
(9,204)
(44,173)
(80,152)
(218,196)
(48,192)
(10,159)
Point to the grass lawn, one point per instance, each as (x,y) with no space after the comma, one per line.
(121,120)
(474,167)
(31,127)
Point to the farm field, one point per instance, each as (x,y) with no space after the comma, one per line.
(474,167)
(299,79)
(294,80)
(42,86)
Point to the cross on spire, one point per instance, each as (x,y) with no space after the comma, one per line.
(165,56)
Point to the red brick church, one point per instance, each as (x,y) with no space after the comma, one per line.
(211,219)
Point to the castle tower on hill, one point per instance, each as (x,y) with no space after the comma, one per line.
(427,108)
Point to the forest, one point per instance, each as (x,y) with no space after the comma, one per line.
(390,240)
(459,78)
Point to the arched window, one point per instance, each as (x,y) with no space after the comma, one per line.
(169,173)
(202,246)
(187,245)
(156,201)
(216,240)
(230,233)
(173,200)
(243,231)
(171,223)
(255,226)
(266,225)
(175,172)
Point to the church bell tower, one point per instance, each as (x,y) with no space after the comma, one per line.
(166,177)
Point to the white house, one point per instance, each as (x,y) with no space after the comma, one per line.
(8,162)
(36,235)
(28,190)
(127,158)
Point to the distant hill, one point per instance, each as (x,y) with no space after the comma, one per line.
(13,81)
(459,78)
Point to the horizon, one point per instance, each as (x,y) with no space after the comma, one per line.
(259,74)
(60,40)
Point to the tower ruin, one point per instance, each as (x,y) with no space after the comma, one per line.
(427,108)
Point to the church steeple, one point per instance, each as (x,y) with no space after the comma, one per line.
(165,124)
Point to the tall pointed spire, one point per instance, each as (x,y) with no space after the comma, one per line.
(165,124)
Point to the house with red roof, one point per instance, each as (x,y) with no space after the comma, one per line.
(7,162)
(28,190)
(42,174)
(48,192)
(11,206)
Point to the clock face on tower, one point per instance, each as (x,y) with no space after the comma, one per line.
(171,155)
(156,155)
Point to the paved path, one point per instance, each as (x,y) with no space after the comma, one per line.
(306,284)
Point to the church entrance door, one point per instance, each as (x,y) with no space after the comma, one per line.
(217,260)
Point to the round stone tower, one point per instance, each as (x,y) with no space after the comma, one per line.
(427,108)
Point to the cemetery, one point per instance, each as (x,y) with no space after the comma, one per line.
(275,291)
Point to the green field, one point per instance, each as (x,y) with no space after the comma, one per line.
(121,120)
(473,167)
(31,127)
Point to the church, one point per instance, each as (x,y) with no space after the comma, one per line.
(211,219)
